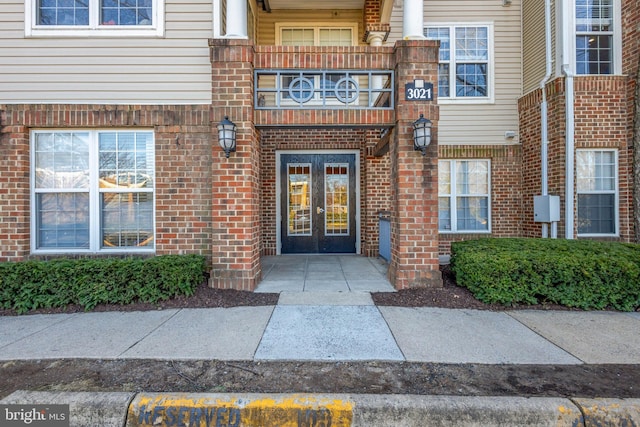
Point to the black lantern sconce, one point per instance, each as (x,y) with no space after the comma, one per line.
(227,136)
(421,134)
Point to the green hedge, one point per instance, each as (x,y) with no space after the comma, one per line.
(30,285)
(574,273)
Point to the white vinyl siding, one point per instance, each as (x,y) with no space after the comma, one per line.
(533,50)
(94,18)
(174,69)
(465,123)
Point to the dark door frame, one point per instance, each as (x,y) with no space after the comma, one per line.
(279,192)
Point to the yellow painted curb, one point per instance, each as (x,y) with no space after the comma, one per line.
(610,411)
(206,410)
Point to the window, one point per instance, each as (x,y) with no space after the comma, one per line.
(94,17)
(463,196)
(92,191)
(597,187)
(316,36)
(314,88)
(594,37)
(465,69)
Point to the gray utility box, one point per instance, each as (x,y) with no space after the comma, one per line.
(546,208)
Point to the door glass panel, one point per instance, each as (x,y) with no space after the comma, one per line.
(336,196)
(299,199)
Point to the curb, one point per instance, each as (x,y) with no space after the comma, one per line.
(337,410)
(85,408)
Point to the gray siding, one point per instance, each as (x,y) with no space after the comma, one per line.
(120,70)
(533,52)
(465,123)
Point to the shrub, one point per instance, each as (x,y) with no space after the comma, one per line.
(575,273)
(30,285)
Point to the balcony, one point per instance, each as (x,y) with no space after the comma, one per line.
(323,89)
(324,86)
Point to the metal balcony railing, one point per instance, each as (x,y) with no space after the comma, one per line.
(324,89)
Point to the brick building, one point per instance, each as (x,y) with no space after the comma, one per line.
(109,116)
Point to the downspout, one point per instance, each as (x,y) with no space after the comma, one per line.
(570,149)
(570,122)
(544,154)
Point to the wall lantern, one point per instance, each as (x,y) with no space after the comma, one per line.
(421,134)
(227,136)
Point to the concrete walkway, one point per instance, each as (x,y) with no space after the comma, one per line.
(325,313)
(329,326)
(346,327)
(323,273)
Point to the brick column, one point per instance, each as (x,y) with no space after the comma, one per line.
(235,181)
(414,178)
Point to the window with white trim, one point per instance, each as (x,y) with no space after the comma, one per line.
(464,196)
(465,68)
(595,37)
(308,88)
(316,36)
(92,191)
(94,17)
(597,188)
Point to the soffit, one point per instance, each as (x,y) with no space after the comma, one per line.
(318,4)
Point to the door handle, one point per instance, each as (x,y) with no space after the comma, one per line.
(319,210)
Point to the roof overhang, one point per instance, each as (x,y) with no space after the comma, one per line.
(311,5)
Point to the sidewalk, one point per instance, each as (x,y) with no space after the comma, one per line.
(329,326)
(343,326)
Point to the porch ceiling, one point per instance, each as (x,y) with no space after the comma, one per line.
(318,4)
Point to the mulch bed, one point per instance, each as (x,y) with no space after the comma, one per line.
(449,296)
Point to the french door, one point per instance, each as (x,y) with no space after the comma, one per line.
(318,203)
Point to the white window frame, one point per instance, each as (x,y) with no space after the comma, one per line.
(94,29)
(452,98)
(615,192)
(94,191)
(616,38)
(316,27)
(452,196)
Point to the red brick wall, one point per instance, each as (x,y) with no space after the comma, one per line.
(372,15)
(630,63)
(531,139)
(14,187)
(183,179)
(376,193)
(601,121)
(414,178)
(506,189)
(235,193)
